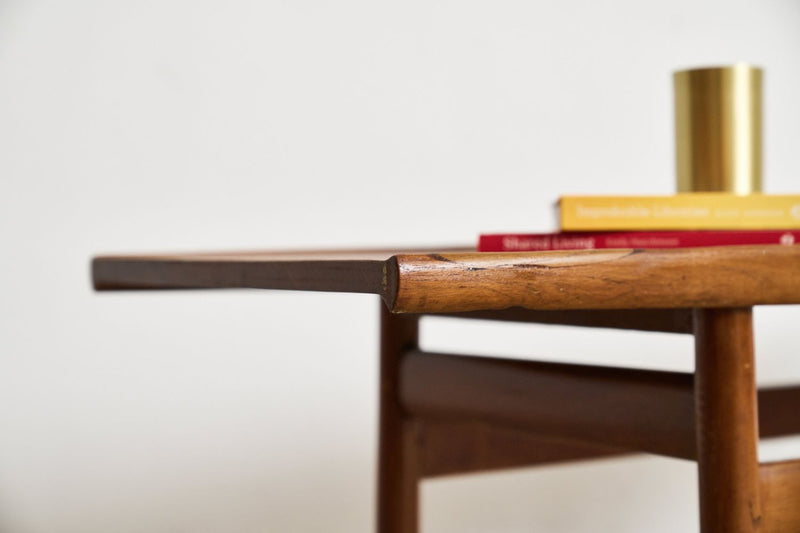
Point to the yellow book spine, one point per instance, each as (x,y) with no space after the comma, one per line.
(689,211)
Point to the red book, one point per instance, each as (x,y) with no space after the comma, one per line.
(533,242)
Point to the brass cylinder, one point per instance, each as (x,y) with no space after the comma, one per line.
(718,129)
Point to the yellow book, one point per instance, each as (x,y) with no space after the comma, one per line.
(687,211)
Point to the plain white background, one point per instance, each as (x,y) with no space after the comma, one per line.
(178,125)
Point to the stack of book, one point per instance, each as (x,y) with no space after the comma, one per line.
(675,221)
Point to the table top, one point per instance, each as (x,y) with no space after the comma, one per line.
(457,280)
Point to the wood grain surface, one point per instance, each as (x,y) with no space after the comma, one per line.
(664,320)
(464,446)
(605,409)
(729,276)
(459,444)
(639,410)
(337,271)
(780,495)
(454,280)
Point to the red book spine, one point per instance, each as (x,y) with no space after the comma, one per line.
(533,242)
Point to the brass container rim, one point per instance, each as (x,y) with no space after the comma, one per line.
(711,68)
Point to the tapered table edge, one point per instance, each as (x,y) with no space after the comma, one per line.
(459,280)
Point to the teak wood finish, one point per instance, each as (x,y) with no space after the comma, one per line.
(448,414)
(459,281)
(727,421)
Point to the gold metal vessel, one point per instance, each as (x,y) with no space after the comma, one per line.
(718,129)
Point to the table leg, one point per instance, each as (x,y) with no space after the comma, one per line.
(727,422)
(398,474)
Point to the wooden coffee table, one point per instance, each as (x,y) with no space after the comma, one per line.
(445,414)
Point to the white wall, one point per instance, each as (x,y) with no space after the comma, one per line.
(178,125)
